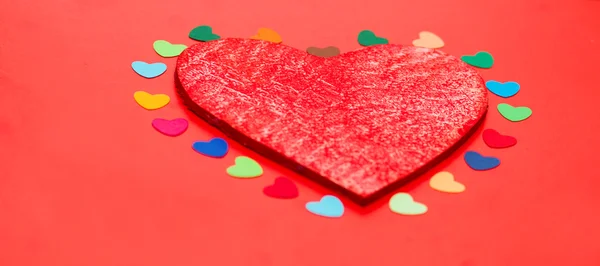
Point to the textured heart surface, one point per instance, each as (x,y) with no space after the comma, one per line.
(364,122)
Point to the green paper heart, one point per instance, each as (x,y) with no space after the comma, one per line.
(403,203)
(368,38)
(204,34)
(245,168)
(480,59)
(166,49)
(514,114)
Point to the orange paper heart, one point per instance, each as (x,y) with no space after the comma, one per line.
(444,182)
(428,40)
(266,34)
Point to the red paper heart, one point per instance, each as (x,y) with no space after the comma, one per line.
(282,188)
(365,121)
(496,140)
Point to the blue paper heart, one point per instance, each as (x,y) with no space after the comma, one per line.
(479,162)
(148,70)
(216,147)
(328,206)
(505,90)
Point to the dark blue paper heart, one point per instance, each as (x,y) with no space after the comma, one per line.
(216,147)
(479,162)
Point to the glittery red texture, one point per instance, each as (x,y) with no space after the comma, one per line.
(364,121)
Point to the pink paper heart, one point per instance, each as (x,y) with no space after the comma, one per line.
(171,128)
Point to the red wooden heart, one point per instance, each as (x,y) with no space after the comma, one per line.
(365,121)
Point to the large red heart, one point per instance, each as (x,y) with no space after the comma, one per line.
(364,121)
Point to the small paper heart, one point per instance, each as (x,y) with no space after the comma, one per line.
(245,168)
(283,188)
(147,70)
(444,182)
(505,90)
(403,203)
(149,101)
(480,59)
(215,147)
(428,40)
(481,163)
(368,38)
(323,52)
(203,33)
(267,34)
(166,49)
(496,140)
(328,206)
(171,128)
(514,114)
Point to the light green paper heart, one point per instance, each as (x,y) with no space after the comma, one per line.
(166,49)
(403,203)
(368,38)
(514,114)
(245,168)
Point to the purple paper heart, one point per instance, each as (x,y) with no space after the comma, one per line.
(171,128)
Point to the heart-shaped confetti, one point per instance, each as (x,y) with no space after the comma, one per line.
(266,34)
(327,102)
(480,59)
(149,101)
(282,188)
(368,38)
(245,168)
(147,70)
(444,182)
(166,49)
(505,90)
(328,206)
(428,40)
(215,147)
(203,33)
(171,128)
(403,203)
(323,52)
(481,163)
(514,114)
(496,140)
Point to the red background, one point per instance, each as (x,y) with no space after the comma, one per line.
(85,180)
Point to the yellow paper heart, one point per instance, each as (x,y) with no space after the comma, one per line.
(428,40)
(403,203)
(149,101)
(266,34)
(444,182)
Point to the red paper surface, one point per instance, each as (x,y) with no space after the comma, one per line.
(85,180)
